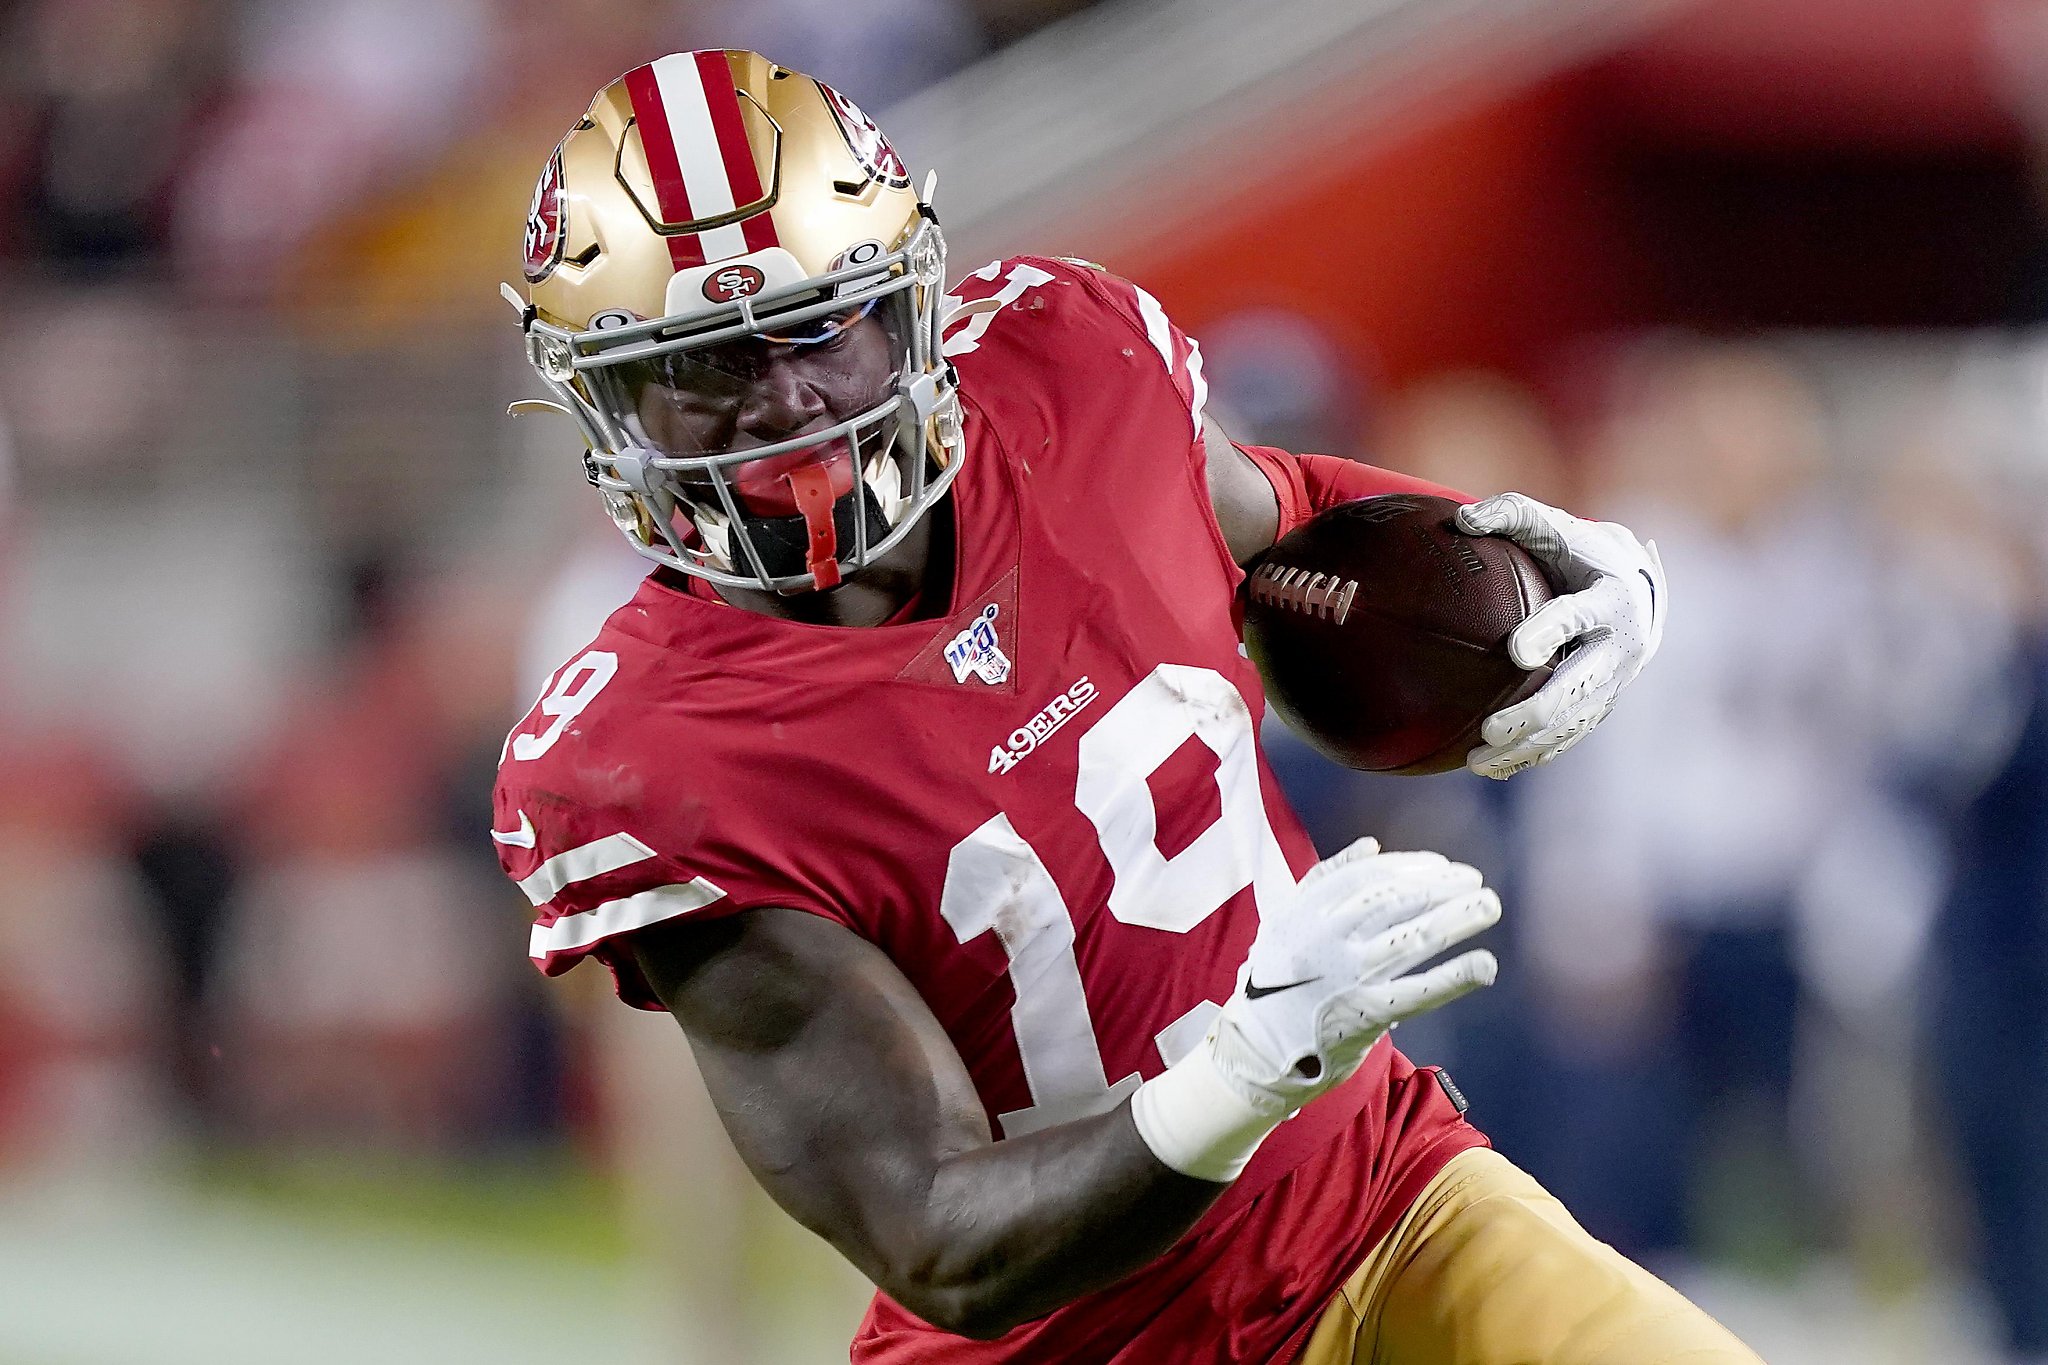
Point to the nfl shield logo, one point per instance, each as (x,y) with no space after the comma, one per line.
(975,651)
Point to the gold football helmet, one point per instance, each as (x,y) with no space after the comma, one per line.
(734,290)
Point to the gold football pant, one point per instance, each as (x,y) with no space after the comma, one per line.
(1486,1268)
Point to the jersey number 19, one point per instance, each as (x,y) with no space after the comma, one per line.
(996,882)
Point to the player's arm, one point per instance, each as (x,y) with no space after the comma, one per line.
(850,1104)
(1260,493)
(1601,630)
(1247,507)
(853,1109)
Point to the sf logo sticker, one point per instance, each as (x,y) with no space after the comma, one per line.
(865,140)
(733,282)
(976,651)
(544,223)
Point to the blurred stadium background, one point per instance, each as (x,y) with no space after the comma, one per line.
(1765,280)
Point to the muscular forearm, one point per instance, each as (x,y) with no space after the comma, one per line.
(1012,1230)
(853,1110)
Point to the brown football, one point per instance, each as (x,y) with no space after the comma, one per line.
(1381,632)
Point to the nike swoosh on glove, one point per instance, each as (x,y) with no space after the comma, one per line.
(1609,621)
(1328,974)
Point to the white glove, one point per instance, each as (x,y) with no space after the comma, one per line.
(1612,611)
(1329,973)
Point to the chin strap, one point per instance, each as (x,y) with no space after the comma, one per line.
(811,486)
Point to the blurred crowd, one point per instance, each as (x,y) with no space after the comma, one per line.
(1775,977)
(275,576)
(249,152)
(262,632)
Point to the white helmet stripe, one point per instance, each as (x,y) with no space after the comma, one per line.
(697,151)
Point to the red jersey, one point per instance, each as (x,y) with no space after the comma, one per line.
(1049,809)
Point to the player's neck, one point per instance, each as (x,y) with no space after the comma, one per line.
(919,570)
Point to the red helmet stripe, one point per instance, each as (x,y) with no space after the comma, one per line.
(650,115)
(686,106)
(722,102)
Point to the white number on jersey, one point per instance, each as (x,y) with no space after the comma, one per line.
(995,881)
(574,688)
(1176,703)
(964,323)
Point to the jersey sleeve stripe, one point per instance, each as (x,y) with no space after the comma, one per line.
(1198,385)
(573,932)
(1159,332)
(581,863)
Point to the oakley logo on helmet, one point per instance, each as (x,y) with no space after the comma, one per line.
(864,139)
(860,253)
(544,223)
(733,282)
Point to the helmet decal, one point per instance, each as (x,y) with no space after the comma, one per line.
(733,282)
(860,253)
(544,223)
(737,212)
(687,110)
(865,140)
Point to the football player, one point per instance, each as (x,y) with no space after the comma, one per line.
(920,782)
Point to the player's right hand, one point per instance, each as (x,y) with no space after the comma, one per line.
(1336,967)
(1331,970)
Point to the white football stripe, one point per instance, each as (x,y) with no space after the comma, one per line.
(704,177)
(581,863)
(617,917)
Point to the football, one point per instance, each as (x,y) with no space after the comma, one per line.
(1381,632)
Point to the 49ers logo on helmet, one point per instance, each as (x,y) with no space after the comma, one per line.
(544,223)
(733,282)
(865,140)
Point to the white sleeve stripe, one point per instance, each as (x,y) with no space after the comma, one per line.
(571,932)
(1159,332)
(581,863)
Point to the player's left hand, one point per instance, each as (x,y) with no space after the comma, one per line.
(1609,622)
